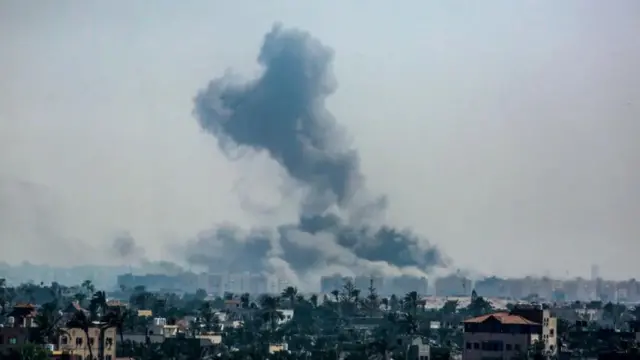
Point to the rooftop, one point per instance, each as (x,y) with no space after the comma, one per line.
(503,318)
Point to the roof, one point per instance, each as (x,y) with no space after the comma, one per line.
(23,310)
(503,318)
(74,306)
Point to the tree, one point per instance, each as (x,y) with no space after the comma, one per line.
(411,302)
(270,312)
(34,352)
(117,317)
(290,293)
(48,325)
(98,304)
(81,321)
(372,300)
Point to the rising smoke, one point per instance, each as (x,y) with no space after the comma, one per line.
(283,113)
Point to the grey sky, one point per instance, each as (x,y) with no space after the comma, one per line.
(504,131)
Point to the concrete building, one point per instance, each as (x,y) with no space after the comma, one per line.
(403,284)
(539,315)
(76,343)
(507,334)
(15,333)
(453,285)
(332,282)
(498,336)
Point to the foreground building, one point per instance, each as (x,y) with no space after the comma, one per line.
(75,343)
(16,332)
(509,334)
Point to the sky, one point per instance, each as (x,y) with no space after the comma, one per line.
(504,132)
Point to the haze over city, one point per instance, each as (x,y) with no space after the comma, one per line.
(502,134)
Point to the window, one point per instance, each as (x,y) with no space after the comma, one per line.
(468,345)
(109,341)
(13,340)
(78,341)
(64,340)
(551,332)
(476,346)
(516,347)
(508,347)
(92,341)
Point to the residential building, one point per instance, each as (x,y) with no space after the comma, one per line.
(215,284)
(331,283)
(403,284)
(12,339)
(453,285)
(258,284)
(76,342)
(498,336)
(543,316)
(491,287)
(417,348)
(17,330)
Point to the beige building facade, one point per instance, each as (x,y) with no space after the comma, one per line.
(76,343)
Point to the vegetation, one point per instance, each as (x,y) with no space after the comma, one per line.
(347,322)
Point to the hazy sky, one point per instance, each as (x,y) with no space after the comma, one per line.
(503,131)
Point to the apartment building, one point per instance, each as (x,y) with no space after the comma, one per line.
(16,332)
(507,334)
(453,285)
(498,336)
(540,315)
(76,343)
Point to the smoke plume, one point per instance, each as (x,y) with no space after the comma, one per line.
(125,248)
(283,113)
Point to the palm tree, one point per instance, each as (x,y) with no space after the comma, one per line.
(48,321)
(81,321)
(313,299)
(98,304)
(270,312)
(245,300)
(290,293)
(88,286)
(336,295)
(118,317)
(411,302)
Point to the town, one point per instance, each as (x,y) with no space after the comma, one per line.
(165,317)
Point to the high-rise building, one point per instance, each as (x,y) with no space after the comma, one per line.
(595,272)
(332,282)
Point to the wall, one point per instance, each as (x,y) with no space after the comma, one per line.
(521,341)
(76,342)
(12,338)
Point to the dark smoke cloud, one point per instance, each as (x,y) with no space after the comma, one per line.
(283,113)
(124,247)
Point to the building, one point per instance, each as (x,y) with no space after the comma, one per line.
(453,285)
(540,315)
(506,334)
(492,287)
(498,336)
(404,284)
(331,283)
(16,333)
(76,342)
(258,284)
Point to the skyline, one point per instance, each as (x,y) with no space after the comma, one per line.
(485,131)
